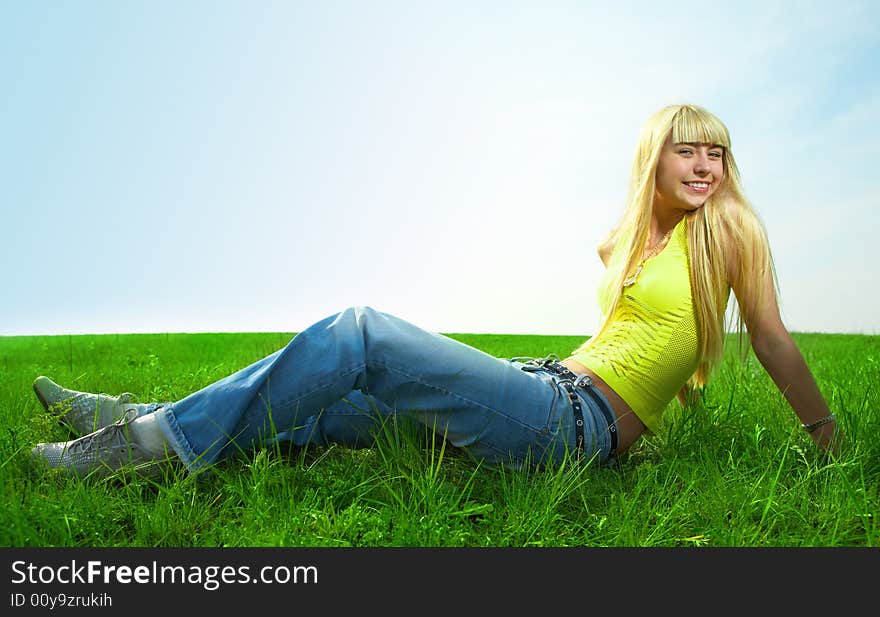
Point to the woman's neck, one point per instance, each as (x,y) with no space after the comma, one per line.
(662,224)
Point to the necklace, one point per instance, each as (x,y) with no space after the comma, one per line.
(630,281)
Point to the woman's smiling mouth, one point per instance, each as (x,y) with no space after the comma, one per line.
(699,187)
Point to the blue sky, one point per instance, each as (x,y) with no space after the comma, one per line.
(237,166)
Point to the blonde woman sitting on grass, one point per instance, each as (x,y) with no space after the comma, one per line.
(686,238)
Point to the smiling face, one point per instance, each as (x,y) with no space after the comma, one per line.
(687,175)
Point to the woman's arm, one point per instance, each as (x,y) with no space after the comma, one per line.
(783,361)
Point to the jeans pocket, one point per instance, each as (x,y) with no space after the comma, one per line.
(550,419)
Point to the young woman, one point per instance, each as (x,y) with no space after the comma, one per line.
(686,238)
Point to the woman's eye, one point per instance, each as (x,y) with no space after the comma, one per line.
(715,155)
(685,151)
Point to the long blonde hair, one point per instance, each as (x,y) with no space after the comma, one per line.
(725,228)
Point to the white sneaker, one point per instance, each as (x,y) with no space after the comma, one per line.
(101,453)
(82,411)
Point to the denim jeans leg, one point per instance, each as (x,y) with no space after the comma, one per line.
(478,402)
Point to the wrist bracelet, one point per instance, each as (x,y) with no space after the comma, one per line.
(812,427)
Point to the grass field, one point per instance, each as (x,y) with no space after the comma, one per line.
(738,471)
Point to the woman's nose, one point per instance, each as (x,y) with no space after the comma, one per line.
(701,162)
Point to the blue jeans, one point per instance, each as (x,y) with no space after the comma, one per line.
(339,379)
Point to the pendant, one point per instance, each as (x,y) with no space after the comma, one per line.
(629,282)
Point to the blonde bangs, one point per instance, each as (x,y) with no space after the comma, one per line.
(695,125)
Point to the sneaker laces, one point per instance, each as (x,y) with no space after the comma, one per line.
(104,437)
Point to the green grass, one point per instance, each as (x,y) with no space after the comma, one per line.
(736,472)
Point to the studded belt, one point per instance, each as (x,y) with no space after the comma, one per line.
(569,382)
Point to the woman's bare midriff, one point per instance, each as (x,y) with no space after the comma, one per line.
(629,427)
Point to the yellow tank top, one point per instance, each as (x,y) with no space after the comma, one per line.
(649,350)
